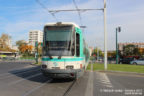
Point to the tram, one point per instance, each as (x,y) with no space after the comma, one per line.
(65,53)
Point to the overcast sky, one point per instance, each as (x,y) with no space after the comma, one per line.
(18,17)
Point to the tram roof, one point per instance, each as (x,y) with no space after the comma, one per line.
(64,23)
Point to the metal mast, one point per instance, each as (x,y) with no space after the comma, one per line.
(105,37)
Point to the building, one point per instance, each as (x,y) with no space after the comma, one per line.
(139,45)
(35,36)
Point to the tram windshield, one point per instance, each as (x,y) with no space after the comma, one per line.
(58,41)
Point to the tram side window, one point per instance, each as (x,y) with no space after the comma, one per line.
(77,44)
(73,44)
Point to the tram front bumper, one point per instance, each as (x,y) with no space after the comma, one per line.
(62,73)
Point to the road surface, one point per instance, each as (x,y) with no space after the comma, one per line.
(24,79)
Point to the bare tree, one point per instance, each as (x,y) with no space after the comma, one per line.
(4,40)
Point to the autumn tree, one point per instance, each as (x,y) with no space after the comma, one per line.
(26,49)
(111,54)
(21,45)
(4,43)
(141,51)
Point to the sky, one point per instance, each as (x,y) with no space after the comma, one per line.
(18,17)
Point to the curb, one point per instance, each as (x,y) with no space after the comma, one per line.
(132,73)
(34,64)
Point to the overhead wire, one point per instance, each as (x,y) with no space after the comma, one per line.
(43,6)
(80,17)
(78,12)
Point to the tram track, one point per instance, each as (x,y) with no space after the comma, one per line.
(62,87)
(69,88)
(36,88)
(31,82)
(54,86)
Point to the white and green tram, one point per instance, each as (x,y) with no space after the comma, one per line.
(65,53)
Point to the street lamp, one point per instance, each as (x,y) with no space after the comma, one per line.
(36,53)
(118,29)
(105,37)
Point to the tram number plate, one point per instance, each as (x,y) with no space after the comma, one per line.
(55,67)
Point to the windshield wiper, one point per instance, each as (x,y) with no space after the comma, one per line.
(60,57)
(50,56)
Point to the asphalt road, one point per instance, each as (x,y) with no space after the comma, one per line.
(24,79)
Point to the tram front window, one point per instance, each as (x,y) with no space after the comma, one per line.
(58,41)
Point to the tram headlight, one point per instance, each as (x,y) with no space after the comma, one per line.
(69,67)
(44,66)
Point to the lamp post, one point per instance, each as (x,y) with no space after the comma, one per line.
(105,37)
(118,29)
(97,54)
(36,53)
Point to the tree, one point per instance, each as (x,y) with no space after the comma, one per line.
(4,43)
(141,51)
(130,50)
(5,36)
(39,49)
(21,45)
(97,52)
(111,54)
(4,40)
(26,49)
(20,42)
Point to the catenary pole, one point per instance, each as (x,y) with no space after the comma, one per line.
(118,29)
(105,38)
(105,29)
(116,46)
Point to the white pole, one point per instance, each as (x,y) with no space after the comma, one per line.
(105,38)
(97,54)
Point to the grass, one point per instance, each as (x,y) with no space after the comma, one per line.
(31,58)
(89,67)
(118,67)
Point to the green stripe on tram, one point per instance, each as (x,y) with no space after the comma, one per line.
(63,59)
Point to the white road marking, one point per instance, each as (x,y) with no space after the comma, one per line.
(31,91)
(102,77)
